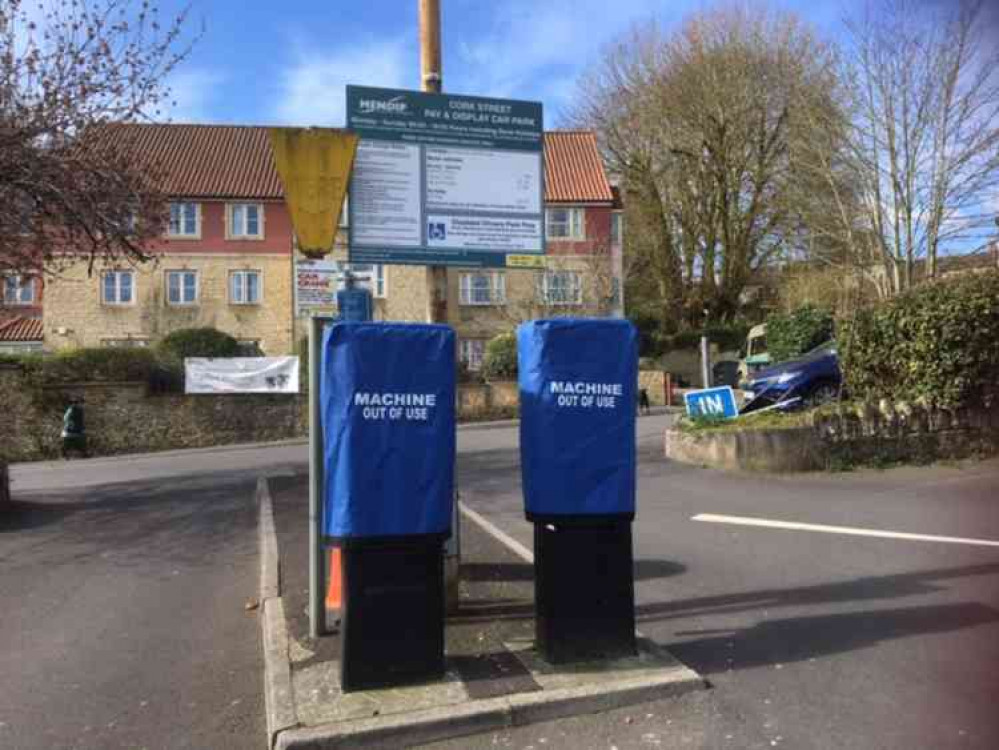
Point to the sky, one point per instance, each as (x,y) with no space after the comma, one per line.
(287,62)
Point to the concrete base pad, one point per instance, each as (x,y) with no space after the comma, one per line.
(425,713)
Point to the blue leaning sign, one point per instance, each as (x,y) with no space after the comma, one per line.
(354,305)
(712,402)
(387,394)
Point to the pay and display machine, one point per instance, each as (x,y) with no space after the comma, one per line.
(578,380)
(387,399)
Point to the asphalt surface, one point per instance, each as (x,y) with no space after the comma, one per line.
(123,610)
(810,640)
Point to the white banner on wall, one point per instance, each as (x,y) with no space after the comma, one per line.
(241,375)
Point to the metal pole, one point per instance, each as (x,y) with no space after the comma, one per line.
(317,607)
(705,363)
(432,81)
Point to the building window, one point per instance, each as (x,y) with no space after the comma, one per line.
(182,287)
(185,220)
(471,352)
(246,221)
(482,288)
(564,224)
(118,287)
(244,287)
(125,343)
(345,212)
(366,275)
(561,288)
(616,219)
(18,290)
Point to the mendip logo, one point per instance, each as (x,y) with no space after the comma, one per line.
(395,106)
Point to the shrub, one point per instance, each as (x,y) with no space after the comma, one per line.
(83,365)
(938,343)
(500,360)
(791,335)
(198,342)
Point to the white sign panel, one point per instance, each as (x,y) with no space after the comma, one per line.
(385,194)
(443,179)
(241,375)
(467,179)
(315,284)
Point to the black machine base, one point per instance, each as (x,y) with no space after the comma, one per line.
(584,590)
(392,629)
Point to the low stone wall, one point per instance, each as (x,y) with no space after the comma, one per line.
(776,451)
(4,485)
(867,435)
(125,418)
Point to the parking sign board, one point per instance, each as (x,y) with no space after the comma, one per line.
(711,402)
(445,179)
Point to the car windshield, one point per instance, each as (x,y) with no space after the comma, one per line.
(822,350)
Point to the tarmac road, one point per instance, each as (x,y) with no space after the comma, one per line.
(811,640)
(123,620)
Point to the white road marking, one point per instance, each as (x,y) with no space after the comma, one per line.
(505,539)
(851,530)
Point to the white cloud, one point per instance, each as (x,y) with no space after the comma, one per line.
(312,89)
(538,50)
(191,95)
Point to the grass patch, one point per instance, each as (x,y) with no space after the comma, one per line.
(771,420)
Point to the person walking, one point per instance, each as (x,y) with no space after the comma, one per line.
(74,436)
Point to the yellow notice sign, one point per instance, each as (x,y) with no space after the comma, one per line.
(525,261)
(314,165)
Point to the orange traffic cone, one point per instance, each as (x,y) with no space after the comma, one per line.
(334,593)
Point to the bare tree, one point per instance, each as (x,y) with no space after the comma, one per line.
(70,182)
(918,141)
(699,127)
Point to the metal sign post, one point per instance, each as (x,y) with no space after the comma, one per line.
(317,482)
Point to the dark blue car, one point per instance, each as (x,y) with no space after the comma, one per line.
(810,380)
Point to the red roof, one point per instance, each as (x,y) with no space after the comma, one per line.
(21,330)
(234,161)
(574,172)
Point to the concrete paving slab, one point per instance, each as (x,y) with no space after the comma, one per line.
(320,700)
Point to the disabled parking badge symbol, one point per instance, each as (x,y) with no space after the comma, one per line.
(437,230)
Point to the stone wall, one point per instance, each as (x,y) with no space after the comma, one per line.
(124,418)
(864,435)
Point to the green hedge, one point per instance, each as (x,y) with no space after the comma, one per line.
(938,343)
(500,360)
(87,365)
(791,335)
(198,342)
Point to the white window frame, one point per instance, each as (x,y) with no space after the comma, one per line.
(182,233)
(570,229)
(472,353)
(182,272)
(372,276)
(20,284)
(243,273)
(617,221)
(125,343)
(118,275)
(547,288)
(237,230)
(470,294)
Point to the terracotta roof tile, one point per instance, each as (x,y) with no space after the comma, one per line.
(234,161)
(573,169)
(21,330)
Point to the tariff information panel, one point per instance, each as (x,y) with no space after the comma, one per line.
(445,180)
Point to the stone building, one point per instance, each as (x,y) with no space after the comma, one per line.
(228,260)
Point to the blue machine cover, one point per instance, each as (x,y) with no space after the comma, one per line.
(387,401)
(578,379)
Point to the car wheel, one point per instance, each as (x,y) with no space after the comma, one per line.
(822,394)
